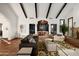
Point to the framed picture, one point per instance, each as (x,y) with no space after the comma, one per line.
(23,28)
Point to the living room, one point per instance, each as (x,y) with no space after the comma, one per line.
(39,29)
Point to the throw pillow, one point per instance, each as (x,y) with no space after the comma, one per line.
(32,40)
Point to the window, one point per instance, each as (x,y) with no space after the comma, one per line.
(62,21)
(53,29)
(70,26)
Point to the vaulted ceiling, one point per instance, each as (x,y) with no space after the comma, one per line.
(40,10)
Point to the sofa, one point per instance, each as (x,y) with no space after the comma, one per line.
(72,41)
(25,43)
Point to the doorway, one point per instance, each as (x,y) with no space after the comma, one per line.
(31,28)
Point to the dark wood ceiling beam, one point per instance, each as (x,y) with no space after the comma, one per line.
(48,10)
(36,9)
(23,9)
(61,10)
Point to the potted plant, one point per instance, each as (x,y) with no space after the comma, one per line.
(64,29)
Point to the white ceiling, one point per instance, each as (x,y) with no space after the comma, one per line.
(42,9)
(55,9)
(67,10)
(29,9)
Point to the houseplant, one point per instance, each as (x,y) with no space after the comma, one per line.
(64,29)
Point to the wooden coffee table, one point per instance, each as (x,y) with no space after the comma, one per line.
(25,51)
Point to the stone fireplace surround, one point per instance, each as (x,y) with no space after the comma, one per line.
(42,33)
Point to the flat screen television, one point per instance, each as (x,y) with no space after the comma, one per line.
(43,27)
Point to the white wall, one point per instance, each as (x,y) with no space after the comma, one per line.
(5,24)
(26,21)
(71,10)
(12,18)
(35,21)
(21,18)
(74,12)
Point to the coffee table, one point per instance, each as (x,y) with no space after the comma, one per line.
(25,51)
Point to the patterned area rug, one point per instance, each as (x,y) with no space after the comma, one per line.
(43,53)
(63,44)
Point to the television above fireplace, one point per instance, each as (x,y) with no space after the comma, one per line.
(43,25)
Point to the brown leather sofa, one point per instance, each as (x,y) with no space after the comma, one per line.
(72,41)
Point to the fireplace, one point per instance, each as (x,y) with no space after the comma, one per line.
(43,30)
(42,27)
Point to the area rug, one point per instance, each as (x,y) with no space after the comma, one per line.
(43,53)
(63,44)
